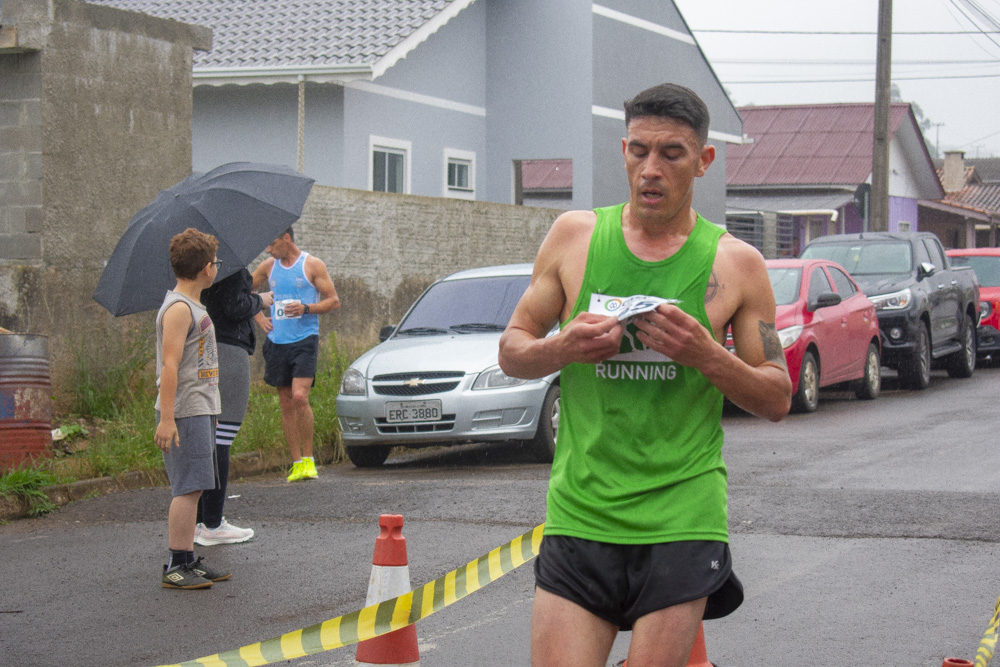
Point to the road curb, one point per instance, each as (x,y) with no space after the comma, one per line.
(246,464)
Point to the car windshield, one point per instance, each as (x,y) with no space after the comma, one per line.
(785,283)
(867,259)
(471,305)
(987,268)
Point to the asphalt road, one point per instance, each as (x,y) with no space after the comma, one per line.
(864,533)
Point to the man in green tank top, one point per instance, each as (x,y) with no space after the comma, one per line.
(635,533)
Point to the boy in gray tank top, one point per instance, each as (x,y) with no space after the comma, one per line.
(187,403)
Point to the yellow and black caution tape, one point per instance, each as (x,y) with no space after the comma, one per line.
(383,617)
(989,642)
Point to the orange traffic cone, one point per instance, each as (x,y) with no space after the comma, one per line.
(956,662)
(699,656)
(390,578)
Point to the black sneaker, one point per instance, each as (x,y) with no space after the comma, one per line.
(182,576)
(206,572)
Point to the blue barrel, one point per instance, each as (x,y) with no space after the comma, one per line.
(25,399)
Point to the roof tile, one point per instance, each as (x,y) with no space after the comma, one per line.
(265,33)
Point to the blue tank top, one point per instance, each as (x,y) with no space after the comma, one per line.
(291,285)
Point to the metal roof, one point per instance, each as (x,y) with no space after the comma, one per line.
(547,174)
(816,144)
(799,203)
(268,34)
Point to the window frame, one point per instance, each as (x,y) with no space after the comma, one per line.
(393,146)
(456,155)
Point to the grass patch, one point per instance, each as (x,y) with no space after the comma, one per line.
(25,483)
(124,403)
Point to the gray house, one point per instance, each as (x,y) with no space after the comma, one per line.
(442,98)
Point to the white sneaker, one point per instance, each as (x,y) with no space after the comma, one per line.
(226,533)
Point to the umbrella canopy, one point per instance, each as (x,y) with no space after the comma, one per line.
(245,205)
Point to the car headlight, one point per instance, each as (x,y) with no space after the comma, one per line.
(494,378)
(985,310)
(789,335)
(895,301)
(352,383)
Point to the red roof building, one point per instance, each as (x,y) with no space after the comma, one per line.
(796,175)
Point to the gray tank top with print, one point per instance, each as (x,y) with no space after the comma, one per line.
(198,373)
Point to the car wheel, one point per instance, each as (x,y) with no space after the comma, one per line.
(963,363)
(871,384)
(370,456)
(806,399)
(543,445)
(915,372)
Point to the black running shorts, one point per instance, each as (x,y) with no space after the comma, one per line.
(290,360)
(623,582)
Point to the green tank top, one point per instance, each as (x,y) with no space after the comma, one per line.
(639,451)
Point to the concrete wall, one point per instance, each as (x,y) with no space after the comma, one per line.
(95,114)
(382,250)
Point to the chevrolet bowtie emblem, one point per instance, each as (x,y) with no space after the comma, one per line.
(414,382)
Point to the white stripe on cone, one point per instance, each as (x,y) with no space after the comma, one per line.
(385,583)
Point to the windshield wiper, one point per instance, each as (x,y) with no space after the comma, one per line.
(477,326)
(422,331)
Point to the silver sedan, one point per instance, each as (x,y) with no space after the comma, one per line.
(434,380)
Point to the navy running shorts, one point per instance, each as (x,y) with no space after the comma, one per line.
(284,361)
(623,582)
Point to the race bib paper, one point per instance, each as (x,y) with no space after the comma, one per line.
(625,308)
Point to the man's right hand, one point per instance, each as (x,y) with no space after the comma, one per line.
(590,338)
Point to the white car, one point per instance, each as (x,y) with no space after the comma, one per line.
(434,380)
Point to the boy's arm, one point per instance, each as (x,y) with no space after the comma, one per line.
(176,322)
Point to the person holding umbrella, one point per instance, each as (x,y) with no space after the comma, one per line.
(232,305)
(302,290)
(187,403)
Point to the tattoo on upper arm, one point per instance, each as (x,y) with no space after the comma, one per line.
(713,287)
(772,344)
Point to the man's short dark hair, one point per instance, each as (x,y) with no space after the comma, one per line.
(291,234)
(190,251)
(669,100)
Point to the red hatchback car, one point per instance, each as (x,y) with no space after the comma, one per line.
(986,263)
(828,329)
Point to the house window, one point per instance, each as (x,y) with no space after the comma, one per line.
(390,165)
(903,226)
(459,174)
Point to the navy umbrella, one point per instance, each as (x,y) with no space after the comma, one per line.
(245,205)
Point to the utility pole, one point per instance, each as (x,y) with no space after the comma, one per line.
(937,139)
(879,221)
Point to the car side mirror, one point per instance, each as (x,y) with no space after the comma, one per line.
(824,300)
(385,332)
(925,270)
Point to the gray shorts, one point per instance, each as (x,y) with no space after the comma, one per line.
(621,583)
(191,467)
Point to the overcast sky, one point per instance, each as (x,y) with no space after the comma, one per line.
(954,79)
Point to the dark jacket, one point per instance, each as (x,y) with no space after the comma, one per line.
(231,303)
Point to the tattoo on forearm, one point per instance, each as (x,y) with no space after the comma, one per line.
(772,344)
(713,287)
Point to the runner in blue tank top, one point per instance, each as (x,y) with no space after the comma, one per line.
(635,532)
(302,291)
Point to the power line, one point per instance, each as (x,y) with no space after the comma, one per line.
(867,80)
(861,33)
(869,63)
